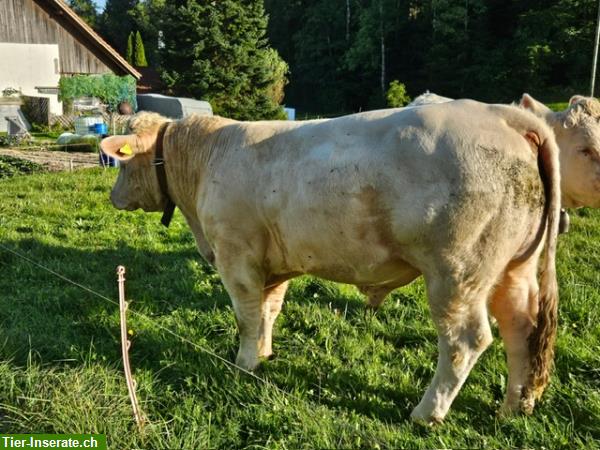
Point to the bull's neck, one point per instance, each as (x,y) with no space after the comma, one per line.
(185,168)
(183,174)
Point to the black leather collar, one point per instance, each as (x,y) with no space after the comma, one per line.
(159,163)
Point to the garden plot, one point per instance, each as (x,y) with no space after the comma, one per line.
(55,160)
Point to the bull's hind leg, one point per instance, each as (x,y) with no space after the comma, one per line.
(514,304)
(460,315)
(271,306)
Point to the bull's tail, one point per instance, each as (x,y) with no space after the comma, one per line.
(542,338)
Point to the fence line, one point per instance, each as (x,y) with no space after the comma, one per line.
(155,323)
(343,424)
(118,121)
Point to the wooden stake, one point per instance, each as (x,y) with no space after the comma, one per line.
(125,344)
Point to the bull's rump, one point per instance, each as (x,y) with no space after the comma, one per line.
(365,198)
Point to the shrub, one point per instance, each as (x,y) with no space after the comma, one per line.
(50,131)
(129,53)
(396,95)
(8,140)
(109,88)
(10,167)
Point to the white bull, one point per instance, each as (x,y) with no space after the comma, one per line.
(451,192)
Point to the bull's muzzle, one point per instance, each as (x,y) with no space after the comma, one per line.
(120,203)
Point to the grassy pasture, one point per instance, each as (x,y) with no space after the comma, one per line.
(351,378)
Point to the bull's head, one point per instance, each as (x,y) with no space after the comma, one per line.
(577,131)
(137,185)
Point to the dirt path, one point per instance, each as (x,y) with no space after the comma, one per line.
(54,161)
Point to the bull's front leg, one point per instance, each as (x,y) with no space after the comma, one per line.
(244,282)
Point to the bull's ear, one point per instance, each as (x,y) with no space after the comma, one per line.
(576,99)
(123,147)
(530,103)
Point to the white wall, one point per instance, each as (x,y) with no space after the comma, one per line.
(30,66)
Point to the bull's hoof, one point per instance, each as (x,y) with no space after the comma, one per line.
(425,419)
(516,406)
(265,353)
(246,363)
(527,404)
(508,410)
(265,348)
(266,356)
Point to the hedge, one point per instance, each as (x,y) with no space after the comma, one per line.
(109,88)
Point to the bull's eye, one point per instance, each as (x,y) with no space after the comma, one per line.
(587,152)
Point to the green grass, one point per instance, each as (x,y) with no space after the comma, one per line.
(45,135)
(559,106)
(352,378)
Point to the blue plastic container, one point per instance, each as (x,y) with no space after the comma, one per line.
(99,128)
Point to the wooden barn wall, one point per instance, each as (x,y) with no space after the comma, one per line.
(25,22)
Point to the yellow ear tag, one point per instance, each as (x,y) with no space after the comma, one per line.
(126,150)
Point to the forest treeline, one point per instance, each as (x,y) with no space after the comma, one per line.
(337,56)
(343,53)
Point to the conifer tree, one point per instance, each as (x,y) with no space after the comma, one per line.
(217,51)
(129,54)
(116,22)
(140,53)
(147,16)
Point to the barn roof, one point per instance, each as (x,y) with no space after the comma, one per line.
(63,14)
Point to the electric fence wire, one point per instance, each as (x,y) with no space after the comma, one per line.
(344,424)
(147,318)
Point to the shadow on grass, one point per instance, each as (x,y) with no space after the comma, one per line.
(60,323)
(49,316)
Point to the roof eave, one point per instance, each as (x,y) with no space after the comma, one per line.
(95,37)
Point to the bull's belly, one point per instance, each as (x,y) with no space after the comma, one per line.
(392,273)
(366,265)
